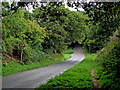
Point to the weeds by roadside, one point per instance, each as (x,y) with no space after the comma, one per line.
(78,76)
(15,67)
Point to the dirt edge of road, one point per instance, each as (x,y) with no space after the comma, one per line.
(95,82)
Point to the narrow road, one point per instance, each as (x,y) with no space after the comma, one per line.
(33,78)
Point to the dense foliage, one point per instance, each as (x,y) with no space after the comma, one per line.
(105,19)
(48,30)
(51,28)
(63,26)
(109,58)
(15,29)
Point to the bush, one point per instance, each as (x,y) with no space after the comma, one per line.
(109,58)
(16,29)
(68,51)
(13,67)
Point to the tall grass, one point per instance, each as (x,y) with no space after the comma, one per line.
(15,67)
(78,76)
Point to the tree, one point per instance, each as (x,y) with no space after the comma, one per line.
(105,19)
(15,29)
(69,26)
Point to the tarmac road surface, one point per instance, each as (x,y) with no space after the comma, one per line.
(34,78)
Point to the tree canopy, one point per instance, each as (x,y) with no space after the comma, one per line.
(104,19)
(70,26)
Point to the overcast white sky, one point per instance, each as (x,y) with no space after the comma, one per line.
(72,9)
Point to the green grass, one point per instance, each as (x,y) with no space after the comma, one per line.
(78,76)
(15,67)
(68,51)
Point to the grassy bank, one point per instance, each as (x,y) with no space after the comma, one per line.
(78,76)
(109,59)
(15,67)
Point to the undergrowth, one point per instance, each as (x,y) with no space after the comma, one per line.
(78,76)
(15,66)
(109,59)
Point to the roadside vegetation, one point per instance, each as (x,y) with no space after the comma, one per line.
(51,28)
(12,67)
(46,36)
(109,59)
(78,76)
(106,64)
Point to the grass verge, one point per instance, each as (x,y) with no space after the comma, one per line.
(78,76)
(15,67)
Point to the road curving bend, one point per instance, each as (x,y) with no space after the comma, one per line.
(34,78)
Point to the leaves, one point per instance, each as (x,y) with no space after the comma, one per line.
(108,57)
(15,29)
(104,20)
(63,26)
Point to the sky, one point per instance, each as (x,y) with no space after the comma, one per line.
(70,8)
(30,6)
